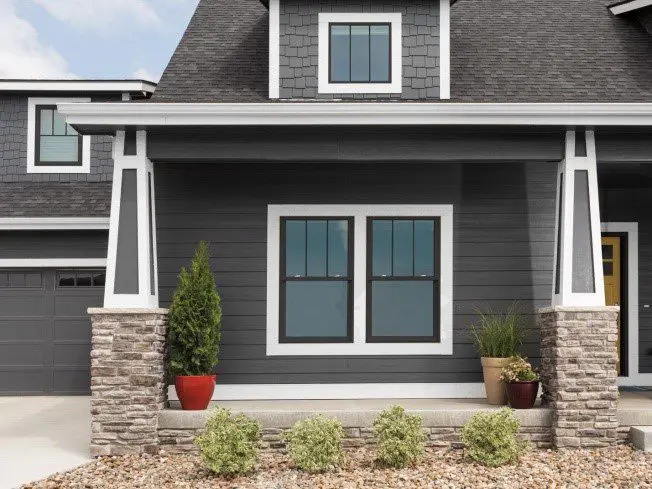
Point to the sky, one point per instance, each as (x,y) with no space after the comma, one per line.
(101,39)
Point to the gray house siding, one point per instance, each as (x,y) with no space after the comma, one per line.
(503,250)
(53,244)
(13,148)
(299,45)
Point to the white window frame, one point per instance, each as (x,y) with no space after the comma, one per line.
(395,21)
(32,103)
(359,346)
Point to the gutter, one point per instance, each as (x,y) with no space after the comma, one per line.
(113,116)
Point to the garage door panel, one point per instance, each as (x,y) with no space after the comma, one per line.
(72,330)
(72,354)
(21,329)
(21,381)
(75,305)
(72,380)
(21,354)
(14,304)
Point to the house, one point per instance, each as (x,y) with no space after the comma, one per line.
(55,196)
(368,174)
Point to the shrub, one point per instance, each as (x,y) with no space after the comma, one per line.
(230,443)
(316,443)
(400,437)
(194,329)
(518,369)
(498,334)
(490,438)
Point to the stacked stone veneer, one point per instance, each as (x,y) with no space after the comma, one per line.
(299,46)
(578,370)
(127,380)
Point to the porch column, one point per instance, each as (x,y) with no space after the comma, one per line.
(128,335)
(131,275)
(578,333)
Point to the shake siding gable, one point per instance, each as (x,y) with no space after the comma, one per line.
(503,250)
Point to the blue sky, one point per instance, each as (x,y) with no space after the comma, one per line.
(90,38)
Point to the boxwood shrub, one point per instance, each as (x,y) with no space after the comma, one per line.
(400,437)
(315,443)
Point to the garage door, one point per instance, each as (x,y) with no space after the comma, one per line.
(45,332)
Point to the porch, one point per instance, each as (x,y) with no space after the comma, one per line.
(442,418)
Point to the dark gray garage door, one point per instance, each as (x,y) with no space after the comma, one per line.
(45,331)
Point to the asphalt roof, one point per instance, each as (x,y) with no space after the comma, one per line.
(74,199)
(501,51)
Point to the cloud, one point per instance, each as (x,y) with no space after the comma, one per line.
(22,54)
(145,74)
(101,14)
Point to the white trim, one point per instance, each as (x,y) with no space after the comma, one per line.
(259,392)
(634,377)
(32,102)
(625,7)
(143,166)
(274,48)
(77,86)
(568,167)
(52,262)
(444,49)
(359,345)
(396,36)
(53,223)
(371,113)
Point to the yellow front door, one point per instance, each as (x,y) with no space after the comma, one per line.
(611,265)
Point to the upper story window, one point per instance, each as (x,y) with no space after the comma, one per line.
(54,146)
(360,53)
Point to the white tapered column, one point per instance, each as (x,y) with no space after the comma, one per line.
(131,277)
(578,278)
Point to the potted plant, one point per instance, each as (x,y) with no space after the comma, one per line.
(194,333)
(521,383)
(497,336)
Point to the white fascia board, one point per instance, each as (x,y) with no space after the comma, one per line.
(130,86)
(373,113)
(53,223)
(624,7)
(53,263)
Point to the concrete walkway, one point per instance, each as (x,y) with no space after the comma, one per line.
(40,436)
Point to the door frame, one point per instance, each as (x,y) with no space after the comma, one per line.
(630,229)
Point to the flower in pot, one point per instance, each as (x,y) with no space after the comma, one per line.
(521,383)
(194,333)
(497,335)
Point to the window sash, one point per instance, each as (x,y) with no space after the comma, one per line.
(350,25)
(38,135)
(435,279)
(284,279)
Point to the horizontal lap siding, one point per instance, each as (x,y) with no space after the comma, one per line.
(633,205)
(503,250)
(53,244)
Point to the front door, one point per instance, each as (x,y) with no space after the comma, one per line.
(613,280)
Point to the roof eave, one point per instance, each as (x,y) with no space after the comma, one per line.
(626,6)
(85,86)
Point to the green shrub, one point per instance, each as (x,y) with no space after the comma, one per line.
(316,443)
(400,437)
(490,438)
(194,329)
(498,334)
(230,443)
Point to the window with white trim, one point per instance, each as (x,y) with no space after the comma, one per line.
(53,145)
(360,53)
(359,280)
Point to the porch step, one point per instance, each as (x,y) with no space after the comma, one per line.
(641,437)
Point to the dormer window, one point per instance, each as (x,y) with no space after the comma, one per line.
(360,53)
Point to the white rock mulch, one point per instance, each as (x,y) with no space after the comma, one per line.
(620,467)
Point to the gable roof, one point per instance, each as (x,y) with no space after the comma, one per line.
(501,51)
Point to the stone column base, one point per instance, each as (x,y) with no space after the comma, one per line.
(578,373)
(127,379)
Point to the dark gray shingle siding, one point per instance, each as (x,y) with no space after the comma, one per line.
(501,51)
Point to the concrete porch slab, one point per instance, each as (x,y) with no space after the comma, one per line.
(641,437)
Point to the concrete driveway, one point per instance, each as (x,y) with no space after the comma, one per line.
(40,436)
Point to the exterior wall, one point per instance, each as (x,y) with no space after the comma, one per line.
(632,204)
(504,218)
(13,148)
(53,244)
(299,45)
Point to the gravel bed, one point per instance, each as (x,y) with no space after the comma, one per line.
(620,467)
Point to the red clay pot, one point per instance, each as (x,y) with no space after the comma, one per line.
(195,391)
(522,395)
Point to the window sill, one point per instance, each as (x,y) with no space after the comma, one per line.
(354,88)
(84,169)
(360,349)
